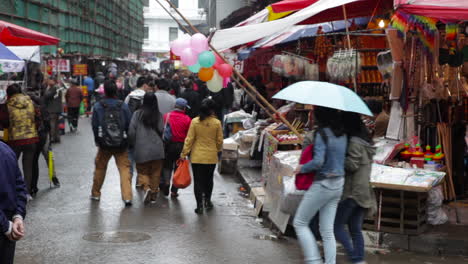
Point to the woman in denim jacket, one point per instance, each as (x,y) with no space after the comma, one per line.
(325,193)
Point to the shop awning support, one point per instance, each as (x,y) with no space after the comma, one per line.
(243,82)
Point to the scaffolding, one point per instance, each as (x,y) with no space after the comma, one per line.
(109,28)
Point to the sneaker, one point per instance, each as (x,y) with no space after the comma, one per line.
(29,197)
(128,203)
(138,185)
(55,181)
(147,197)
(154,197)
(199,210)
(95,198)
(209,205)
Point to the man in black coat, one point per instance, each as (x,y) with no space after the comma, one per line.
(12,204)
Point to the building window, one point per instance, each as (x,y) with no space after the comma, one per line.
(173,32)
(146,2)
(175,3)
(146,35)
(202,4)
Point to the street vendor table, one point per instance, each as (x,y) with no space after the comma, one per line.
(401,208)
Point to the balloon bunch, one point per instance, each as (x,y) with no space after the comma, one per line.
(194,52)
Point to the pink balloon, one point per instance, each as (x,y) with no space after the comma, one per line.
(188,57)
(199,43)
(225,70)
(178,45)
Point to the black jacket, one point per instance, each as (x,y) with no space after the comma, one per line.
(194,101)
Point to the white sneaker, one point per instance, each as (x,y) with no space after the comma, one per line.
(29,198)
(95,198)
(147,197)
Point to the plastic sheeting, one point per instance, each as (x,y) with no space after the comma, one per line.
(227,38)
(29,53)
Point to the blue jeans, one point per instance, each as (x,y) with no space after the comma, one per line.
(351,214)
(324,200)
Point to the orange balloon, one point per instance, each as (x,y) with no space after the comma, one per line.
(206,74)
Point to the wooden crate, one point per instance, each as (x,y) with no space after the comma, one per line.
(402,212)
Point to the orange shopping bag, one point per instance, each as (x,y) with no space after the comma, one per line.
(182,176)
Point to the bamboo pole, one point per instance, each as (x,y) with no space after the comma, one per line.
(242,78)
(349,46)
(237,81)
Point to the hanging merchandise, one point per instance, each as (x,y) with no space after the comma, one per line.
(424,26)
(343,65)
(277,64)
(311,71)
(292,65)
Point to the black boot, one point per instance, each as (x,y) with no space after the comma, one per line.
(208,205)
(199,210)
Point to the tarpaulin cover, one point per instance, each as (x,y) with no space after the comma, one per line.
(9,62)
(455,10)
(29,53)
(361,8)
(14,35)
(227,38)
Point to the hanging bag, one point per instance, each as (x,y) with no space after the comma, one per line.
(183,175)
(304,180)
(167,133)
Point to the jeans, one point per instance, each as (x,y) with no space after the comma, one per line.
(7,250)
(203,182)
(324,200)
(351,214)
(28,162)
(123,164)
(150,174)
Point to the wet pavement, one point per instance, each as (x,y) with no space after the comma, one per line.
(64,226)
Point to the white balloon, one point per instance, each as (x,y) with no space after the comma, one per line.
(216,83)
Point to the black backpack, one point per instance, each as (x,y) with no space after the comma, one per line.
(112,133)
(134,104)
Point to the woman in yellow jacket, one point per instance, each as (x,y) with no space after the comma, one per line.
(203,142)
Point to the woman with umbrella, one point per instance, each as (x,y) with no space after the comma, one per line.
(330,144)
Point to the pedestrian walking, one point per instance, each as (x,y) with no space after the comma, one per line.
(73,97)
(203,143)
(43,146)
(179,123)
(166,101)
(22,131)
(111,120)
(54,105)
(12,204)
(323,196)
(358,195)
(193,98)
(145,133)
(89,83)
(134,101)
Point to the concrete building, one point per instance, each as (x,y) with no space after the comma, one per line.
(161,29)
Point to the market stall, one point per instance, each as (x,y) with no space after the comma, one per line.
(416,68)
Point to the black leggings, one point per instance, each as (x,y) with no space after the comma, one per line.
(203,181)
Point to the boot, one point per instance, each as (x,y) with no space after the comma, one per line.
(208,205)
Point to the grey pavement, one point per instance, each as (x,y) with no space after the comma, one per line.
(64,226)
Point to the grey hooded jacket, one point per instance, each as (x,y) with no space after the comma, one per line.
(358,166)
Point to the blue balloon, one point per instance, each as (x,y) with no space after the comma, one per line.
(206,59)
(195,68)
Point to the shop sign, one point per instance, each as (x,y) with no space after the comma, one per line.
(80,69)
(60,65)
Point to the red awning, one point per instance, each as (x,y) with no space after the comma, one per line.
(455,10)
(14,35)
(362,8)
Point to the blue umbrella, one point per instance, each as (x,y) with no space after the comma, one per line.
(9,62)
(324,94)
